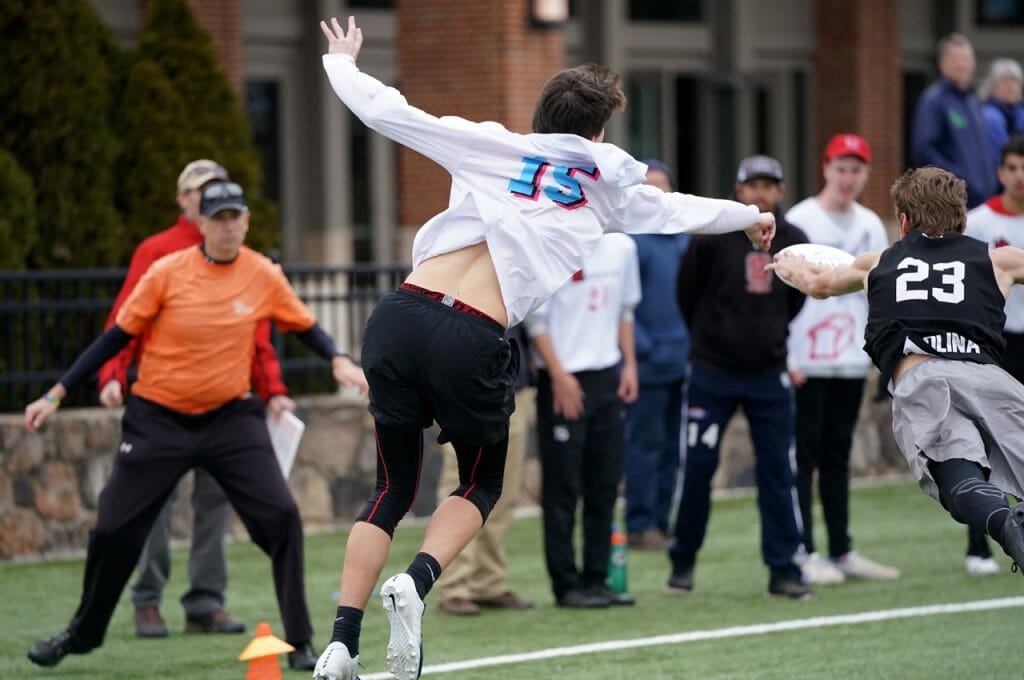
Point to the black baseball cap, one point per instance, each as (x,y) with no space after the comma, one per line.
(754,167)
(218,196)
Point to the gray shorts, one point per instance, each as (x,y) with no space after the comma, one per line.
(944,409)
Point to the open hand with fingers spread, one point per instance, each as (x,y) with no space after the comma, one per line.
(339,42)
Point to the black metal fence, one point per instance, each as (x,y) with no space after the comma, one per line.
(48,317)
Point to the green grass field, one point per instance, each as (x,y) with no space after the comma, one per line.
(895,524)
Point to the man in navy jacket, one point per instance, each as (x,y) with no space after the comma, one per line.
(654,420)
(949,129)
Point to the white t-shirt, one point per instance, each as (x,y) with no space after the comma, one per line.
(540,201)
(826,338)
(992,223)
(582,317)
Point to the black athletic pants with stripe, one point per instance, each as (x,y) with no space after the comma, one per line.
(580,459)
(158,446)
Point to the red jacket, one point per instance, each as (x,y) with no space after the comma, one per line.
(266,369)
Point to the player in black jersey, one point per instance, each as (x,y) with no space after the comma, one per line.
(935,319)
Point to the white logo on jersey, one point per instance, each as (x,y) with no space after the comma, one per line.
(242,308)
(125,447)
(952,342)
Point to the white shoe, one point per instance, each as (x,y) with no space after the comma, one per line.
(819,571)
(855,565)
(980,566)
(405,614)
(336,664)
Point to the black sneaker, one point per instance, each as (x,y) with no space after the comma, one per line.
(789,585)
(616,599)
(49,652)
(583,599)
(303,658)
(1013,535)
(680,582)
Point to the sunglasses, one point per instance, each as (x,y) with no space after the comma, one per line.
(222,190)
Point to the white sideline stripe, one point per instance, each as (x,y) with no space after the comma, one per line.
(700,635)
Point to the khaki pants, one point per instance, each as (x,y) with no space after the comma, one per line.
(480,570)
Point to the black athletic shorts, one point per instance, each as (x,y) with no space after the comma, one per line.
(430,359)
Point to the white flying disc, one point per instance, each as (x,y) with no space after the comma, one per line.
(818,254)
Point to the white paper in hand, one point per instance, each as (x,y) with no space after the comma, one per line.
(285,435)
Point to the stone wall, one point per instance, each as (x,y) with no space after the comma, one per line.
(50,481)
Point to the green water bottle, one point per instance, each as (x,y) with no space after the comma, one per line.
(617,575)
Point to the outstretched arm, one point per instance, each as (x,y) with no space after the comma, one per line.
(646,209)
(384,109)
(1008,265)
(821,282)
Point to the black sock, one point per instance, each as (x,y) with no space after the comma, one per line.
(424,571)
(347,624)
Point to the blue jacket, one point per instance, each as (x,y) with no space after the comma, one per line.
(662,341)
(1003,121)
(949,132)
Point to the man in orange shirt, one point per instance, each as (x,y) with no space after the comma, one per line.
(207,561)
(199,308)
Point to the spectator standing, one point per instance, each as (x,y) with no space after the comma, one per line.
(1003,108)
(1000,222)
(524,213)
(476,578)
(200,307)
(739,319)
(207,567)
(828,366)
(583,342)
(949,129)
(654,420)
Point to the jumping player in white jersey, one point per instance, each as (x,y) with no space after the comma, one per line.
(935,320)
(524,213)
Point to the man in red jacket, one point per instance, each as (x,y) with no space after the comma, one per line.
(204,602)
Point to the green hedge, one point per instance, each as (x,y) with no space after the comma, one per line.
(101,132)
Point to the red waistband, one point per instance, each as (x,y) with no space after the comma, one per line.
(445,299)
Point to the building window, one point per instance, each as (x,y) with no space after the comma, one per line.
(262,104)
(644,111)
(999,12)
(362,203)
(666,10)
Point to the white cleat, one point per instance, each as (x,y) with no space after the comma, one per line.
(336,664)
(855,565)
(820,572)
(980,566)
(405,614)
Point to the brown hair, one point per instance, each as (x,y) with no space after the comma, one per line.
(1015,145)
(934,201)
(949,42)
(579,101)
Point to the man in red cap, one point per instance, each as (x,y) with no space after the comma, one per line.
(828,365)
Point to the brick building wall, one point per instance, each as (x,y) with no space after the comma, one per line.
(223,20)
(479,59)
(859,88)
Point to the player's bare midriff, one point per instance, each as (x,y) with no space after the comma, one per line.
(907,363)
(467,274)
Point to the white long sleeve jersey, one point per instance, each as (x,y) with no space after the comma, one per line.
(826,338)
(540,201)
(992,223)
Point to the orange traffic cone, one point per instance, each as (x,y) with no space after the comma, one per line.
(262,653)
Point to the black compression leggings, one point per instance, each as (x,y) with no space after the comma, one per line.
(399,461)
(969,497)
